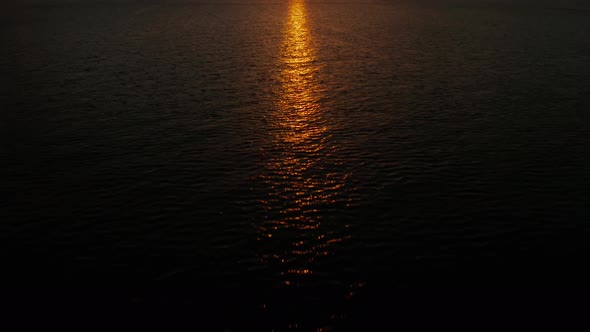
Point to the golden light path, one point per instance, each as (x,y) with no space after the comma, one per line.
(301,185)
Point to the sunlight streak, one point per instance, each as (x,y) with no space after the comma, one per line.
(300,183)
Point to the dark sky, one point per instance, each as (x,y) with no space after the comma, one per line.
(551,3)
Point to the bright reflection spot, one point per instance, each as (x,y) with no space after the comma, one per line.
(301,181)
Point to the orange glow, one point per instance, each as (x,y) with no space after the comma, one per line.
(299,186)
(299,101)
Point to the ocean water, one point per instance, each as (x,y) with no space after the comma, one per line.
(309,152)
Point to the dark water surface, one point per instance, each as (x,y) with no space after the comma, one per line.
(309,151)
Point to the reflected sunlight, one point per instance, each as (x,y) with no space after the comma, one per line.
(301,184)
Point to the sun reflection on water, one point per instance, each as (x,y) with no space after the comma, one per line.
(302,181)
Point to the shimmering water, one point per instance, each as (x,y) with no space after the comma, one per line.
(309,152)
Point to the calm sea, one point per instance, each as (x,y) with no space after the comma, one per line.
(307,151)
